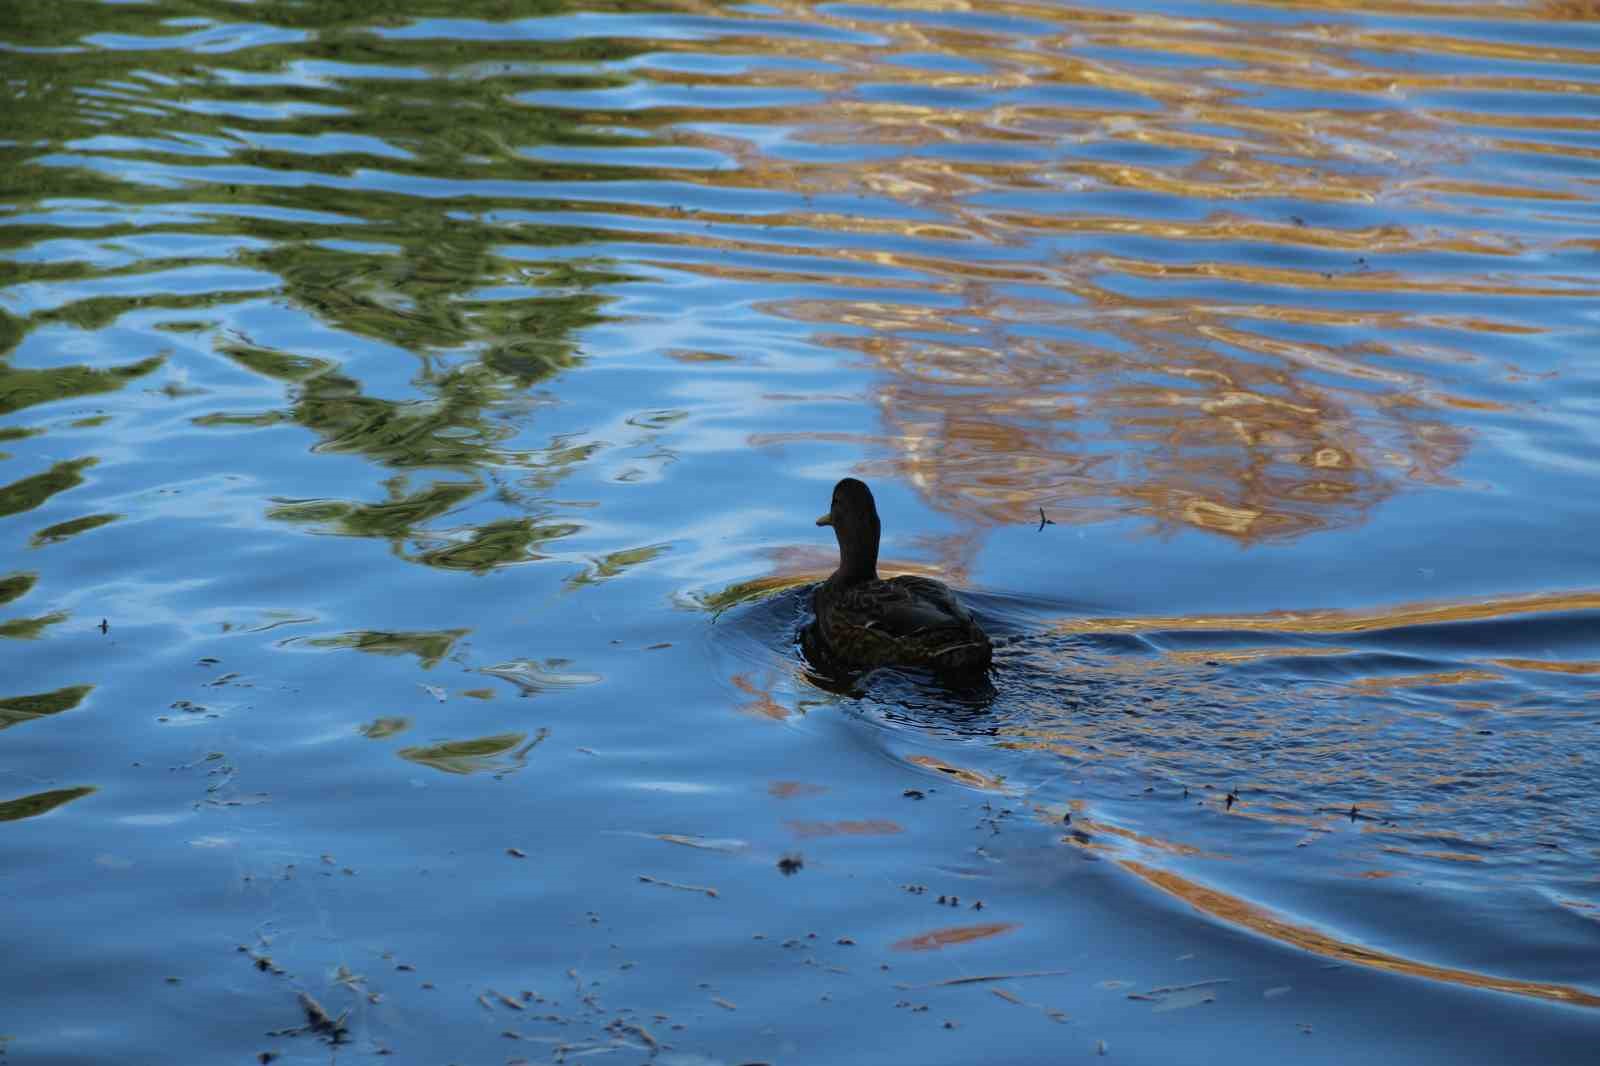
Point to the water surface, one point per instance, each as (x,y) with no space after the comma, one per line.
(412,426)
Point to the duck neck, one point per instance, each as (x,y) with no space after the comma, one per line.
(858,554)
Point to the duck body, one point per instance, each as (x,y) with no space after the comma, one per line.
(904,621)
(865,621)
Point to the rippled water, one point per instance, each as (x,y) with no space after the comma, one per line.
(412,424)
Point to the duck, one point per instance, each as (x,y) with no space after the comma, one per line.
(864,621)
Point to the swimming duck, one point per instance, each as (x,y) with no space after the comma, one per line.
(865,621)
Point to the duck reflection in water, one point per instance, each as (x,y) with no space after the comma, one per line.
(863,621)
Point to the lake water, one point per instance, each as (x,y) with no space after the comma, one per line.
(413,417)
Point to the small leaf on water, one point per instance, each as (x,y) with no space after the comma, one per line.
(959,934)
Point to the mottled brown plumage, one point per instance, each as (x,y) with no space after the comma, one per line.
(865,621)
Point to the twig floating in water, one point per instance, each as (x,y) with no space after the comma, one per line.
(1167,990)
(507,1000)
(992,977)
(642,1033)
(682,888)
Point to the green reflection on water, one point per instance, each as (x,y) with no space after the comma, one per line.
(39,803)
(11,332)
(422,299)
(62,530)
(273,364)
(30,628)
(17,709)
(266,158)
(428,647)
(493,753)
(30,492)
(379,728)
(615,564)
(25,388)
(397,518)
(511,540)
(97,312)
(15,586)
(742,592)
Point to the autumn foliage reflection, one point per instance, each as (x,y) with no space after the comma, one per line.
(1098,283)
(1152,421)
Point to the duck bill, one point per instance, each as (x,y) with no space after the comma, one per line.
(826,520)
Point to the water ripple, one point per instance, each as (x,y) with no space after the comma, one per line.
(1236,359)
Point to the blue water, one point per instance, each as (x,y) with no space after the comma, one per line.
(411,430)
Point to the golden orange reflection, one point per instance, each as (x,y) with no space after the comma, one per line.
(1244,655)
(970,778)
(1339,621)
(1085,829)
(1549,667)
(762,703)
(961,934)
(1444,677)
(1218,904)
(1194,367)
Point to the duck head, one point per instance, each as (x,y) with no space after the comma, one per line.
(854,518)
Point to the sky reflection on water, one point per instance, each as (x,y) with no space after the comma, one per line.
(412,426)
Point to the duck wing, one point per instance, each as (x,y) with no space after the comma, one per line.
(928,604)
(906,606)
